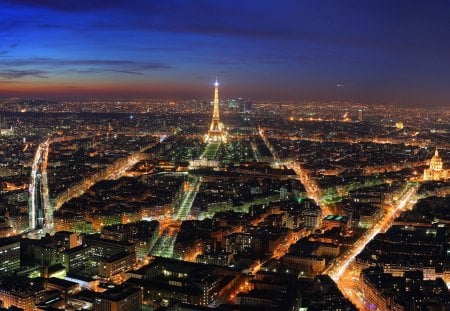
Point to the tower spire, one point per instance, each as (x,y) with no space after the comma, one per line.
(216,100)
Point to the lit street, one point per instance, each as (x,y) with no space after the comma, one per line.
(341,270)
(41,212)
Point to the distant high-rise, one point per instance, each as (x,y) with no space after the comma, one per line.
(236,103)
(216,132)
(247,107)
(360,115)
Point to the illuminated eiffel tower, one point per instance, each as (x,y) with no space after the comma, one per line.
(216,132)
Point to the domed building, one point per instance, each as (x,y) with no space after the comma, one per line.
(436,170)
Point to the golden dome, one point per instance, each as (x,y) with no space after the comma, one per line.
(436,163)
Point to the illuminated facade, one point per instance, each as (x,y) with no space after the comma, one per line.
(121,297)
(216,131)
(9,257)
(24,300)
(399,125)
(436,169)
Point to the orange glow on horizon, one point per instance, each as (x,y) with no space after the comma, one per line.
(95,88)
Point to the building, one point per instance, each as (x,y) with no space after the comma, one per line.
(120,298)
(76,258)
(267,291)
(257,297)
(142,233)
(21,292)
(266,239)
(327,296)
(61,285)
(67,239)
(163,280)
(165,291)
(20,299)
(405,248)
(408,292)
(335,221)
(436,169)
(204,162)
(44,251)
(327,250)
(236,103)
(71,222)
(248,107)
(84,281)
(116,264)
(238,242)
(216,132)
(309,264)
(84,300)
(362,215)
(283,194)
(373,197)
(312,218)
(9,257)
(399,125)
(106,248)
(218,259)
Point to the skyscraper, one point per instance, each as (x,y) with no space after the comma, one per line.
(216,132)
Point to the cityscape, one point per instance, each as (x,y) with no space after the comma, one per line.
(212,197)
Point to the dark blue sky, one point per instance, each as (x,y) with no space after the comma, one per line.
(379,51)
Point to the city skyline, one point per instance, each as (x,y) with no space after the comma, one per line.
(371,53)
(147,204)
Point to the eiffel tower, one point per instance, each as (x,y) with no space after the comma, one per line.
(216,132)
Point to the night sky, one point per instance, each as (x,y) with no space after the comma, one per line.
(365,51)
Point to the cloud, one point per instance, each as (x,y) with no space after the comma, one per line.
(207,18)
(11,82)
(41,61)
(265,21)
(43,66)
(17,74)
(8,49)
(92,71)
(66,5)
